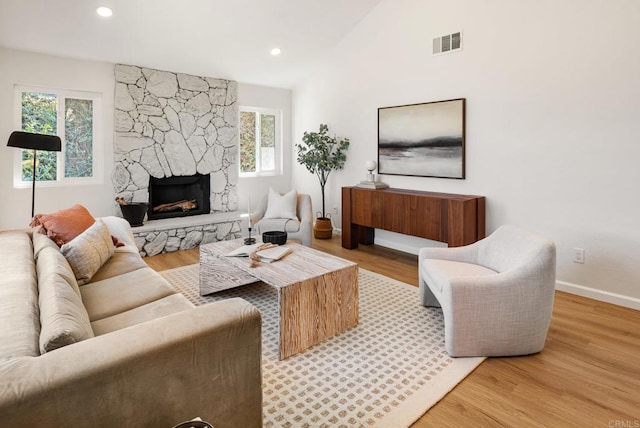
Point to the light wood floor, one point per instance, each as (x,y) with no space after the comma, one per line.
(588,374)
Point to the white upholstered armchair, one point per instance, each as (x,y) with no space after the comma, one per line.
(496,294)
(290,212)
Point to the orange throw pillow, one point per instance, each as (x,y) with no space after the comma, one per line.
(64,225)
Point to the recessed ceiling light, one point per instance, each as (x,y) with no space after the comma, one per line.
(275,51)
(104,11)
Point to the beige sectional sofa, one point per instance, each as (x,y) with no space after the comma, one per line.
(124,349)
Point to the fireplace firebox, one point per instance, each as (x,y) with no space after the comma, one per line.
(179,196)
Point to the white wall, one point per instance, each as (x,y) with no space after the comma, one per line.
(32,69)
(266,97)
(553,98)
(23,68)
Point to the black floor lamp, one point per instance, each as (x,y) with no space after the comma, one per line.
(35,142)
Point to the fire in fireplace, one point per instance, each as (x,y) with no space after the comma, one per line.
(179,196)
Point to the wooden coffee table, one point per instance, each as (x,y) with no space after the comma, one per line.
(317,292)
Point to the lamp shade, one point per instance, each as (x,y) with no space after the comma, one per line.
(28,140)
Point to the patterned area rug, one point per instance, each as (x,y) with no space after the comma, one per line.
(386,372)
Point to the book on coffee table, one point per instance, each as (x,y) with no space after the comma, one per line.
(245,250)
(267,255)
(274,253)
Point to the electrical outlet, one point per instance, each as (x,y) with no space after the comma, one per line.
(335,210)
(578,255)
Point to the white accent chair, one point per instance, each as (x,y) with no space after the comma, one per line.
(299,229)
(496,294)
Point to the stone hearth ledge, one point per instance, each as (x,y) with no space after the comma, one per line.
(183,233)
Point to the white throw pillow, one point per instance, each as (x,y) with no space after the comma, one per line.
(87,252)
(282,206)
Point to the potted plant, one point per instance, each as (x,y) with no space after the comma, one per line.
(321,153)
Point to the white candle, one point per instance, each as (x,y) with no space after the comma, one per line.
(249,211)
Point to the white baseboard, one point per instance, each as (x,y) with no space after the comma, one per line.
(603,296)
(396,246)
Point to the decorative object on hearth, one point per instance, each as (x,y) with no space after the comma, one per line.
(35,142)
(133,212)
(321,153)
(371,182)
(426,140)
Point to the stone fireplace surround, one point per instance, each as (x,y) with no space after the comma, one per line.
(173,124)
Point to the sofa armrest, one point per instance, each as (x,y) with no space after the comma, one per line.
(204,362)
(260,211)
(304,208)
(121,229)
(495,309)
(466,254)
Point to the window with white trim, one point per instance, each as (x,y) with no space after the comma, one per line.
(260,141)
(75,117)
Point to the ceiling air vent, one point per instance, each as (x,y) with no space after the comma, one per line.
(447,44)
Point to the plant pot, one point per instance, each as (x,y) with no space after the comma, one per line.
(134,212)
(323,229)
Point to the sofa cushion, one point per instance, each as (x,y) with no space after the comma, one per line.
(439,272)
(41,244)
(120,263)
(281,206)
(87,252)
(122,293)
(120,230)
(63,317)
(19,313)
(64,225)
(160,308)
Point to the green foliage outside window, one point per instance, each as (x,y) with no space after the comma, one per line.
(39,115)
(247,141)
(78,132)
(267,130)
(261,145)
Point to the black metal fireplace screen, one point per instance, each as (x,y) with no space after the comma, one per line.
(179,196)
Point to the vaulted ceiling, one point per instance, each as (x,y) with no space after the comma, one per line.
(218,38)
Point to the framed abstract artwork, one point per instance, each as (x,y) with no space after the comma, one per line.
(426,140)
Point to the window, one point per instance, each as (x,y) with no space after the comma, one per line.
(260,142)
(75,118)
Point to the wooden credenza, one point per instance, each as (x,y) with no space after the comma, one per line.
(455,219)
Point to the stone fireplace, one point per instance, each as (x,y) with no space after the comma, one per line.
(175,125)
(176,137)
